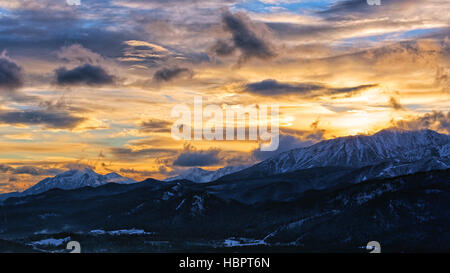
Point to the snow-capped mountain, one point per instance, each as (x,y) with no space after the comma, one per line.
(74,179)
(393,149)
(200,175)
(117,178)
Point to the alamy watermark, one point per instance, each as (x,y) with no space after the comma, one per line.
(374,2)
(227,122)
(374,246)
(73,2)
(74,246)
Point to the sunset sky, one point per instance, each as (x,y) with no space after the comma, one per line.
(94,84)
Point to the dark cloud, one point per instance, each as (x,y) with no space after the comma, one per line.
(315,124)
(80,55)
(436,120)
(442,78)
(349,7)
(5,168)
(142,173)
(192,158)
(11,79)
(101,154)
(287,142)
(169,2)
(155,126)
(78,166)
(349,91)
(272,87)
(85,74)
(352,9)
(38,28)
(31,170)
(295,31)
(293,139)
(244,38)
(223,48)
(127,153)
(330,31)
(168,74)
(395,104)
(10,74)
(50,119)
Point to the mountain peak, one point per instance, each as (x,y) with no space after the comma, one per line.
(395,146)
(200,175)
(77,178)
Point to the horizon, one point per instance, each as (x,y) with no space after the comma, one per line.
(180,175)
(93,83)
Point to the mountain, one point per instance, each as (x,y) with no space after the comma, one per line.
(74,179)
(200,175)
(5,196)
(117,178)
(389,152)
(351,159)
(304,200)
(403,213)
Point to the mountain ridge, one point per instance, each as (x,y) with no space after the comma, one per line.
(387,153)
(71,179)
(396,147)
(200,175)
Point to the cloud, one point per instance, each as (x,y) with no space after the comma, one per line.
(5,168)
(31,170)
(85,74)
(50,119)
(133,154)
(169,74)
(326,31)
(131,171)
(76,53)
(10,74)
(356,19)
(272,87)
(146,45)
(11,80)
(145,52)
(395,104)
(191,158)
(155,126)
(223,48)
(287,142)
(293,139)
(78,166)
(309,136)
(161,4)
(436,120)
(244,38)
(442,78)
(32,5)
(350,9)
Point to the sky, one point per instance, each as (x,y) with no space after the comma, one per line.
(93,85)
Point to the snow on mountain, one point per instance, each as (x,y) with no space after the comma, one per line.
(117,178)
(74,179)
(200,175)
(395,147)
(387,153)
